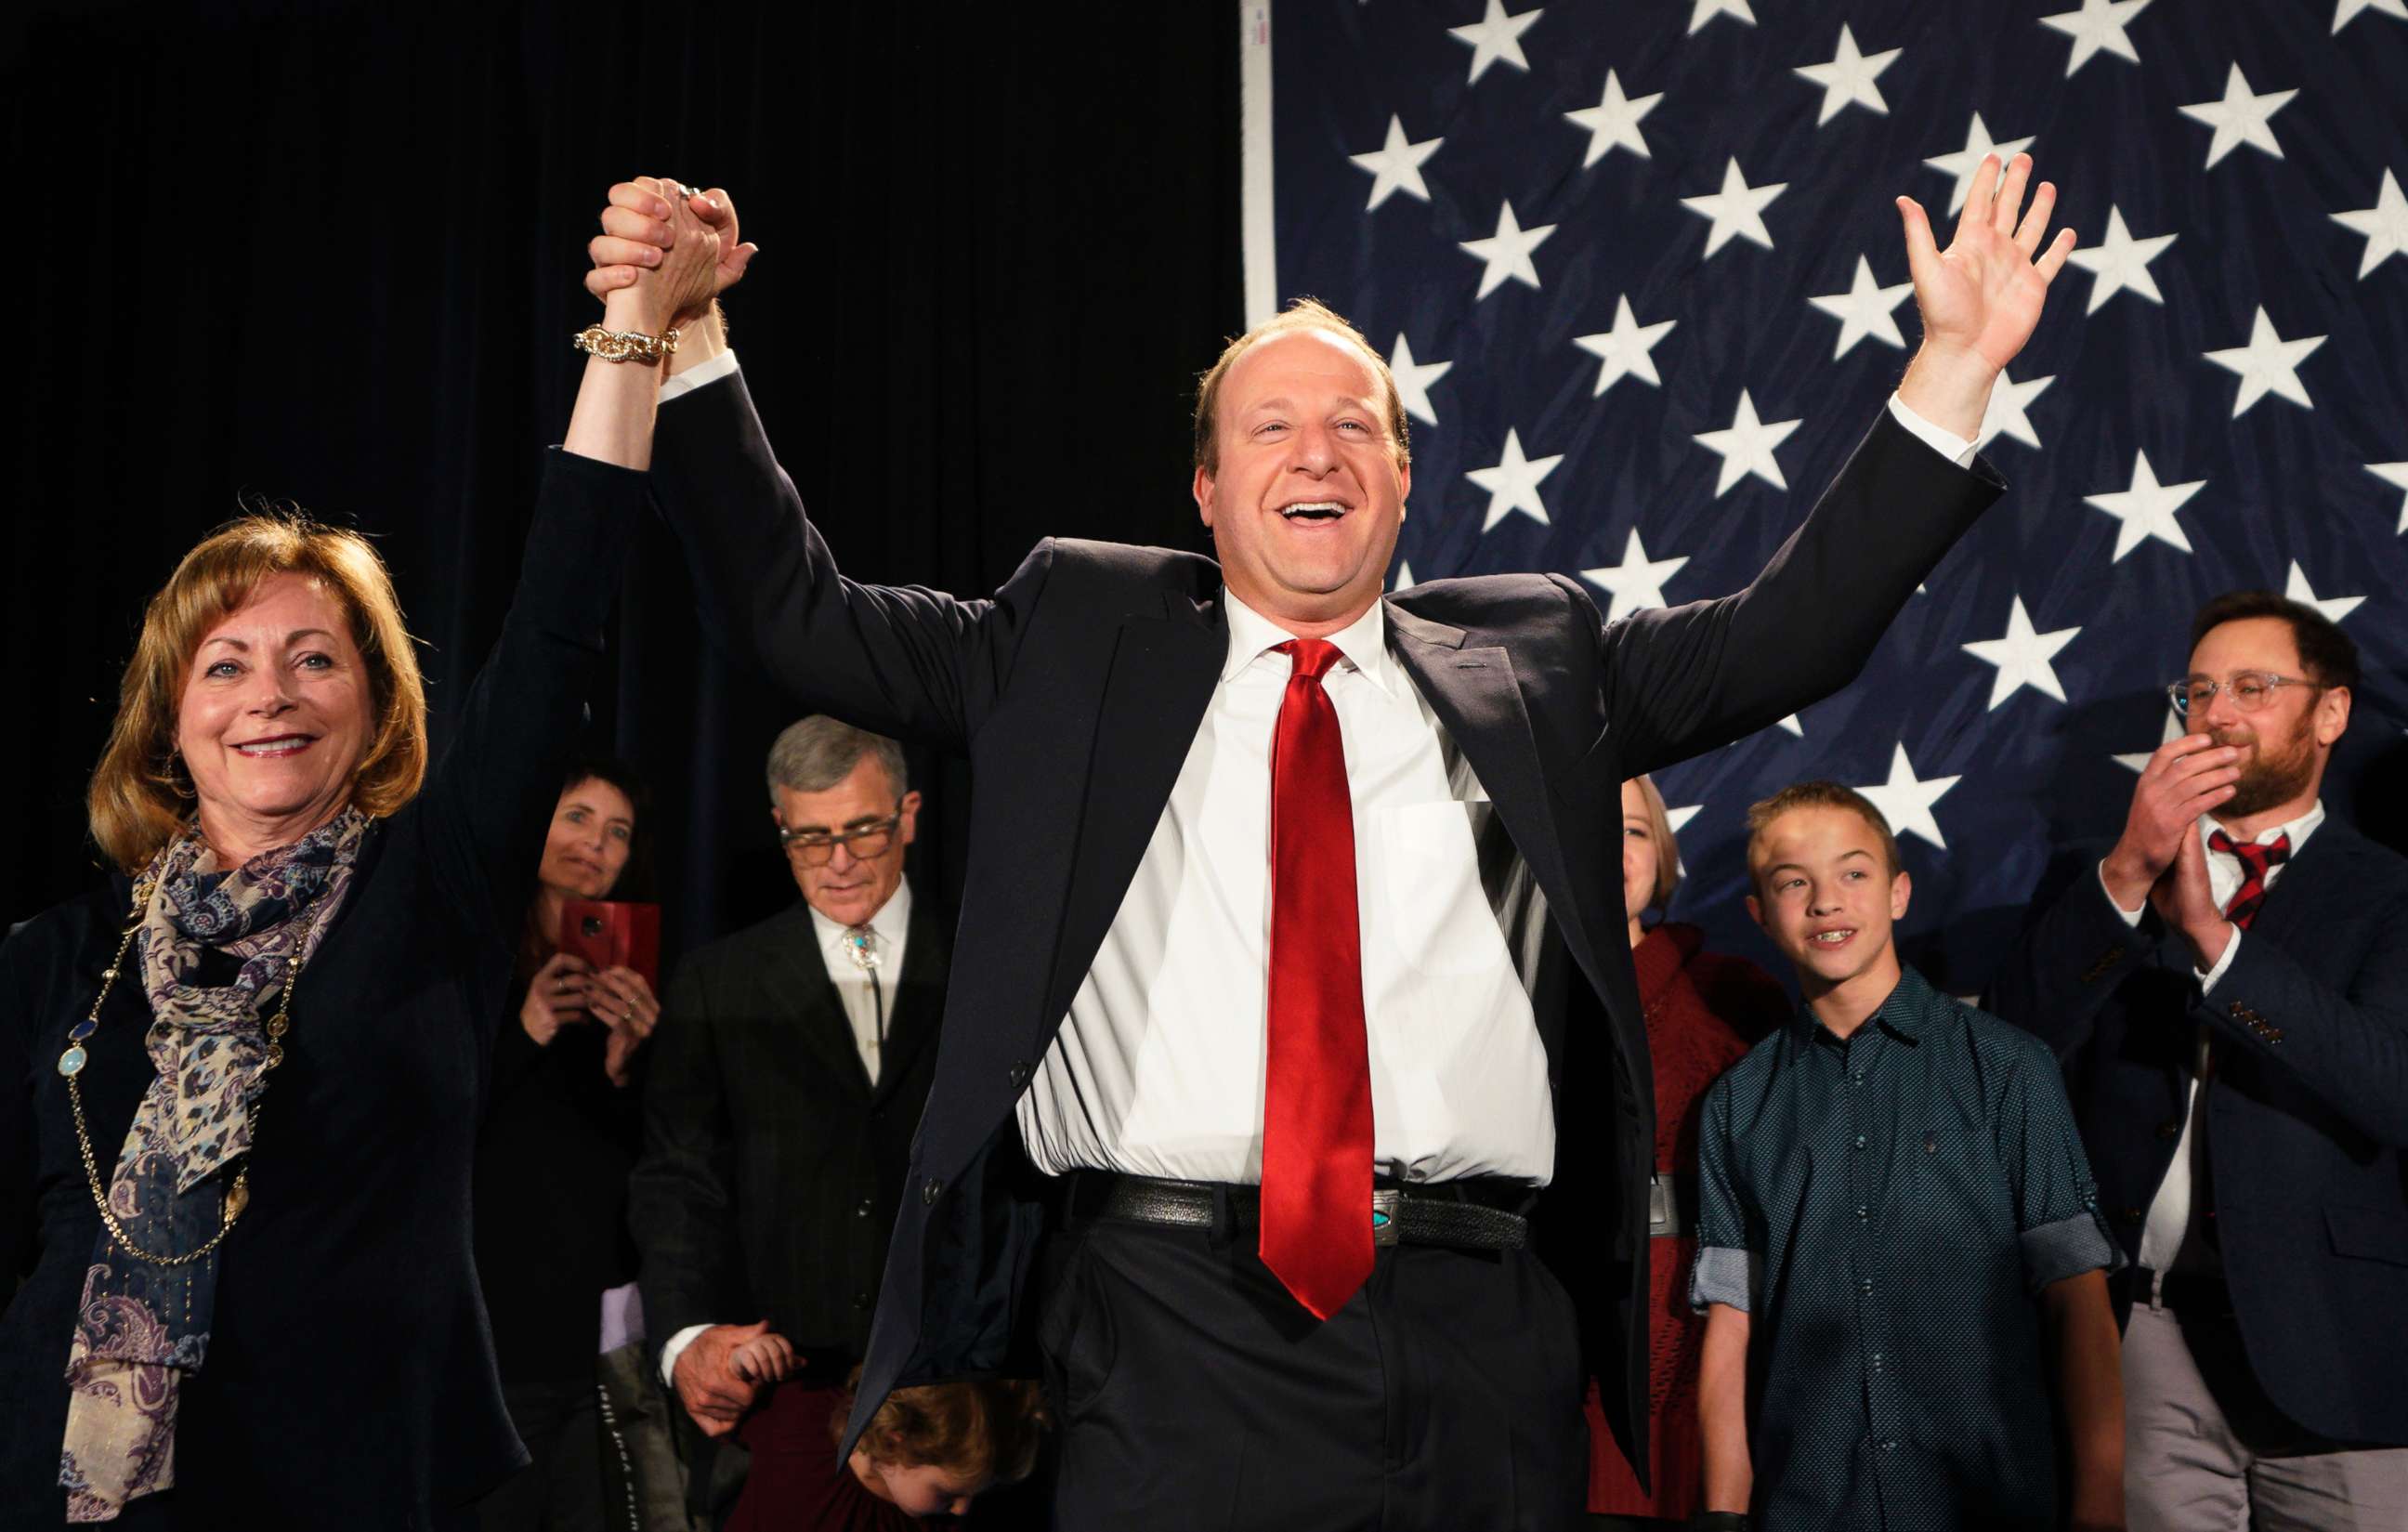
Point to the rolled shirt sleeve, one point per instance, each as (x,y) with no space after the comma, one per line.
(2060,1228)
(1726,1268)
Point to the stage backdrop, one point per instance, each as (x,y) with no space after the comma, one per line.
(1637,271)
(329,253)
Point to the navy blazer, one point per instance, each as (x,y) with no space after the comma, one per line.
(1076,692)
(350,1380)
(2307,1121)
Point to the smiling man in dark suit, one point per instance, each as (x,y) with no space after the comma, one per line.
(788,1073)
(2228,989)
(1292,935)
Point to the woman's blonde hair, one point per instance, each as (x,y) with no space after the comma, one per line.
(1668,852)
(140,794)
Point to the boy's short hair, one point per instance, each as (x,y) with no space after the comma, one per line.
(975,1428)
(1818,794)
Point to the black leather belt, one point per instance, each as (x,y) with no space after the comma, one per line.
(1479,1214)
(2201,1293)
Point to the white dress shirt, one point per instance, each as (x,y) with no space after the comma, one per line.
(2167,1239)
(1158,1067)
(868,1006)
(892,926)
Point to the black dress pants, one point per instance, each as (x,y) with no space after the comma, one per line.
(1194,1393)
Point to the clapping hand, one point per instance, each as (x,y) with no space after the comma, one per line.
(1981,297)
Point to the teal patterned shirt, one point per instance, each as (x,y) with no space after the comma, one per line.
(1887,1209)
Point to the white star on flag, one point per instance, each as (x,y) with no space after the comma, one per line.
(1737,209)
(2384,225)
(1397,166)
(2268,365)
(1507,252)
(2335,608)
(1847,80)
(1906,801)
(1622,352)
(1637,582)
(1404,581)
(1967,162)
(2022,657)
(1613,122)
(2138,760)
(1494,37)
(1513,484)
(2146,509)
(2240,118)
(2006,414)
(2098,28)
(2395,475)
(1702,11)
(1413,379)
(2120,263)
(1674,819)
(1865,310)
(1746,447)
(2345,11)
(1792,724)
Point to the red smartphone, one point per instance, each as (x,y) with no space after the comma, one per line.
(611,934)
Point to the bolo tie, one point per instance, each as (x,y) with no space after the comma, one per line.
(861,945)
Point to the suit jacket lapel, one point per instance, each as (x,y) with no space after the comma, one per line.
(799,980)
(1163,671)
(916,998)
(1478,700)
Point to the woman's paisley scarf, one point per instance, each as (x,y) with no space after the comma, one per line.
(141,1326)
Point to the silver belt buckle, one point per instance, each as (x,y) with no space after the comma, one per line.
(1384,1207)
(1659,1206)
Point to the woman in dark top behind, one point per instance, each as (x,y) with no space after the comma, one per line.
(560,1137)
(239,1081)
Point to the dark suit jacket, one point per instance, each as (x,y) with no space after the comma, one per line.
(350,1380)
(2307,1121)
(771,1169)
(1076,692)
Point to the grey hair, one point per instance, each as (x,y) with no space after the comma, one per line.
(815,753)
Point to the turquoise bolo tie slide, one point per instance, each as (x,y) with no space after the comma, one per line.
(1384,1217)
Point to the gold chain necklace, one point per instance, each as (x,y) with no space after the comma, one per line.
(71,1062)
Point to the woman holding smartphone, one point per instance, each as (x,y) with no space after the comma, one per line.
(560,1137)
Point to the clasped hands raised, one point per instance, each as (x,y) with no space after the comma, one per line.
(664,255)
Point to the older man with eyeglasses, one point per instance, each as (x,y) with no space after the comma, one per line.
(791,1064)
(2227,990)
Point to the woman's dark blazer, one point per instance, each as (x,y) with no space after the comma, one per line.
(350,1376)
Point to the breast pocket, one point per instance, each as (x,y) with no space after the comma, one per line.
(1437,914)
(1954,1198)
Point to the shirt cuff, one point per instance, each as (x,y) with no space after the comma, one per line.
(1947,443)
(1722,1275)
(2068,1248)
(695,377)
(677,1344)
(2131,917)
(2207,980)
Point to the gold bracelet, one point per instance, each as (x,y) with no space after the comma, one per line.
(624,345)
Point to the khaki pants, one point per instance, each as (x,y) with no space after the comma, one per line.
(2205,1452)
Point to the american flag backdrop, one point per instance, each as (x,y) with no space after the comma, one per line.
(1636,270)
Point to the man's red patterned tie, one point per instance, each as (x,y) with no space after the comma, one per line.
(1316,1191)
(2255,862)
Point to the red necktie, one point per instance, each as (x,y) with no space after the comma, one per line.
(1316,1191)
(2255,862)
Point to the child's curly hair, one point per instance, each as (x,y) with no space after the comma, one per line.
(976,1429)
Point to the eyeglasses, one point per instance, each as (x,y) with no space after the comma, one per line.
(2251,690)
(813,847)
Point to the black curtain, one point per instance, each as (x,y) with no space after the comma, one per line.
(330,254)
